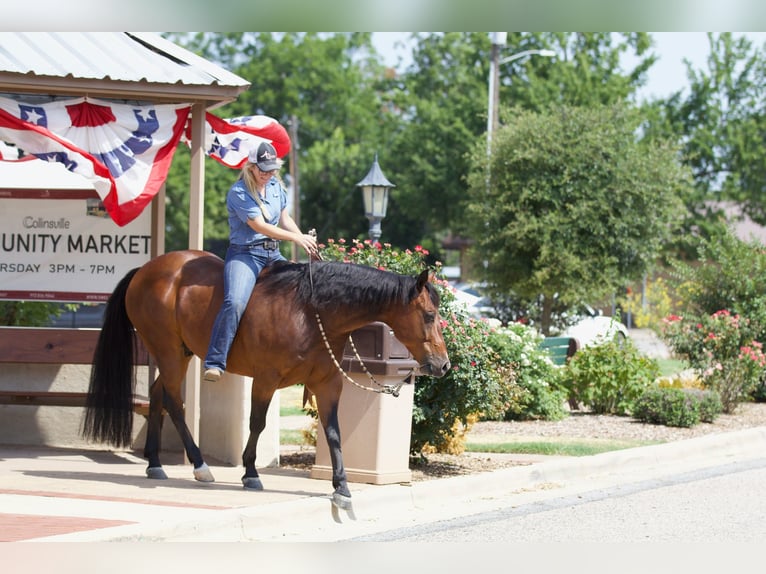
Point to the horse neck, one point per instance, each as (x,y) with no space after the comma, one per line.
(340,322)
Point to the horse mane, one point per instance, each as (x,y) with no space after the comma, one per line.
(328,285)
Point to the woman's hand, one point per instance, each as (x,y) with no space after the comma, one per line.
(309,243)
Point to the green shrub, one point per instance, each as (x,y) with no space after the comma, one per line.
(716,281)
(759,391)
(721,348)
(29,313)
(539,394)
(728,274)
(676,407)
(710,405)
(609,378)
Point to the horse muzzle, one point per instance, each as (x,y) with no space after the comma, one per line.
(434,368)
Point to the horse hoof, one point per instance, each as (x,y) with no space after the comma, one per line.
(203,473)
(252,483)
(341,501)
(156,472)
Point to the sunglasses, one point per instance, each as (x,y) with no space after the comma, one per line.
(264,172)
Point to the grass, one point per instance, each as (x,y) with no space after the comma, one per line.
(291,436)
(291,404)
(291,401)
(671,366)
(566,448)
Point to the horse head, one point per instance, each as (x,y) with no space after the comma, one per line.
(419,328)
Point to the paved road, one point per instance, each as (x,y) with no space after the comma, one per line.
(720,504)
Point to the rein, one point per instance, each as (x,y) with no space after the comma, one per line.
(384,389)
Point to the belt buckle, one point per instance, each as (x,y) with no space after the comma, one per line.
(270,244)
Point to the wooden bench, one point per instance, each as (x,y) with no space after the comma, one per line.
(560,349)
(60,399)
(55,346)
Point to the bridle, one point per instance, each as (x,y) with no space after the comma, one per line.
(383,389)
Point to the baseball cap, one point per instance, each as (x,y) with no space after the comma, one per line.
(265,157)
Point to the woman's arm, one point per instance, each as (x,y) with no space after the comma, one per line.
(287,230)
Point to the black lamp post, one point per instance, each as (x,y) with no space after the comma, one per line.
(375,188)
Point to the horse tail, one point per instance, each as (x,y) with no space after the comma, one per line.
(109,404)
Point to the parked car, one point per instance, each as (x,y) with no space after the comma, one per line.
(589,326)
(592,327)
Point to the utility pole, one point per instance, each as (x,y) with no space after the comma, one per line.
(498,39)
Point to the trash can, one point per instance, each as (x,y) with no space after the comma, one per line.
(375,428)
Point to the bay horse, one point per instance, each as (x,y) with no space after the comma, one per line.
(296,312)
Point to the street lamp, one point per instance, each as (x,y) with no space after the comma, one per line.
(375,189)
(498,39)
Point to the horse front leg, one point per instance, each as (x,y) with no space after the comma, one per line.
(328,415)
(258,409)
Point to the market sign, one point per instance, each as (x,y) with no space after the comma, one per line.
(61,245)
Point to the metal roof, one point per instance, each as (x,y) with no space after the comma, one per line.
(111,64)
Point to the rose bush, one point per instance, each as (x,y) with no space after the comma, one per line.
(722,348)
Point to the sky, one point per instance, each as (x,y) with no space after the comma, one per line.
(666,76)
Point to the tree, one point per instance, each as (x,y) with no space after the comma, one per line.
(442,98)
(423,123)
(720,125)
(572,204)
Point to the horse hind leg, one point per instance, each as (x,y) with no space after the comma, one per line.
(174,407)
(152,445)
(166,393)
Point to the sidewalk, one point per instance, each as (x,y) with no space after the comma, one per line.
(649,343)
(49,494)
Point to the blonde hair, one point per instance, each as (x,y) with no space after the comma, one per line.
(247,176)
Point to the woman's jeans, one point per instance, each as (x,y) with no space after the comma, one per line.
(240,272)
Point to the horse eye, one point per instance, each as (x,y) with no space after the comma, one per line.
(429,317)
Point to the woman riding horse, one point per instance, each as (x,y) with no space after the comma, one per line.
(298,319)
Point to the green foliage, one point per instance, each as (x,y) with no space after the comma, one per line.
(539,394)
(27,313)
(571,205)
(677,407)
(479,380)
(380,255)
(728,274)
(649,308)
(344,106)
(721,348)
(610,377)
(478,383)
(720,118)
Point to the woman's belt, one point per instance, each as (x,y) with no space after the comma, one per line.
(266,244)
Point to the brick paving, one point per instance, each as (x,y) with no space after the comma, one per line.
(18,527)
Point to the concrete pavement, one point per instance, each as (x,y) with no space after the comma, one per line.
(49,494)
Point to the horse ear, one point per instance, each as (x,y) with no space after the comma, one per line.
(423,279)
